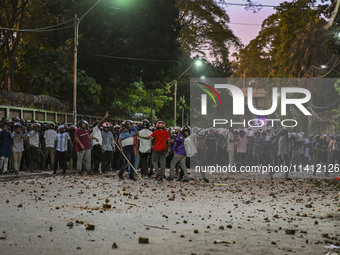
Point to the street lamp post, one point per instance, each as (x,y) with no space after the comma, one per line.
(183,111)
(198,63)
(75,63)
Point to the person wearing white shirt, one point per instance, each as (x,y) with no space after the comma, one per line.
(97,141)
(33,142)
(48,146)
(144,148)
(18,146)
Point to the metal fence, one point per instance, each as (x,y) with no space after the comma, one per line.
(9,112)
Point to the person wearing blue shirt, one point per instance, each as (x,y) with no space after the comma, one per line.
(126,142)
(61,144)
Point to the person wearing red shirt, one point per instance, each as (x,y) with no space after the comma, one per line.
(82,140)
(160,148)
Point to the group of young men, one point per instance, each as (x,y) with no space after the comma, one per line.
(129,147)
(267,147)
(93,149)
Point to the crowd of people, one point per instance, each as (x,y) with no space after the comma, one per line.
(146,150)
(306,153)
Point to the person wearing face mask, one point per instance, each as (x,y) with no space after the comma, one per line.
(62,142)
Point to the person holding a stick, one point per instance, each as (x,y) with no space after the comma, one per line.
(125,141)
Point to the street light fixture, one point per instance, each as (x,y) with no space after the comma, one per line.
(197,63)
(75,63)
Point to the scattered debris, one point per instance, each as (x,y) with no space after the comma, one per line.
(156,227)
(143,240)
(90,227)
(128,203)
(290,231)
(221,241)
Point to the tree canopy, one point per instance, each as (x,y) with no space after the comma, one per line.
(291,42)
(125,48)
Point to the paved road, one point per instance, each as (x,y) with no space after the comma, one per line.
(45,214)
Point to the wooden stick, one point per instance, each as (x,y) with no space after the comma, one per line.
(128,203)
(128,160)
(156,227)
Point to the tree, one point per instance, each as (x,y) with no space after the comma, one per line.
(138,42)
(205,29)
(44,60)
(123,46)
(12,14)
(289,44)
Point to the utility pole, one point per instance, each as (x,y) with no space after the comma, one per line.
(198,63)
(183,111)
(175,102)
(75,57)
(75,63)
(151,95)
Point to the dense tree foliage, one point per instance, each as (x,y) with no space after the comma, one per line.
(126,49)
(12,15)
(300,40)
(291,42)
(205,29)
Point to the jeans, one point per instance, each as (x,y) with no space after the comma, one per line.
(17,160)
(181,159)
(34,158)
(159,155)
(241,159)
(130,155)
(106,160)
(136,163)
(84,155)
(144,158)
(97,157)
(61,158)
(48,151)
(4,164)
